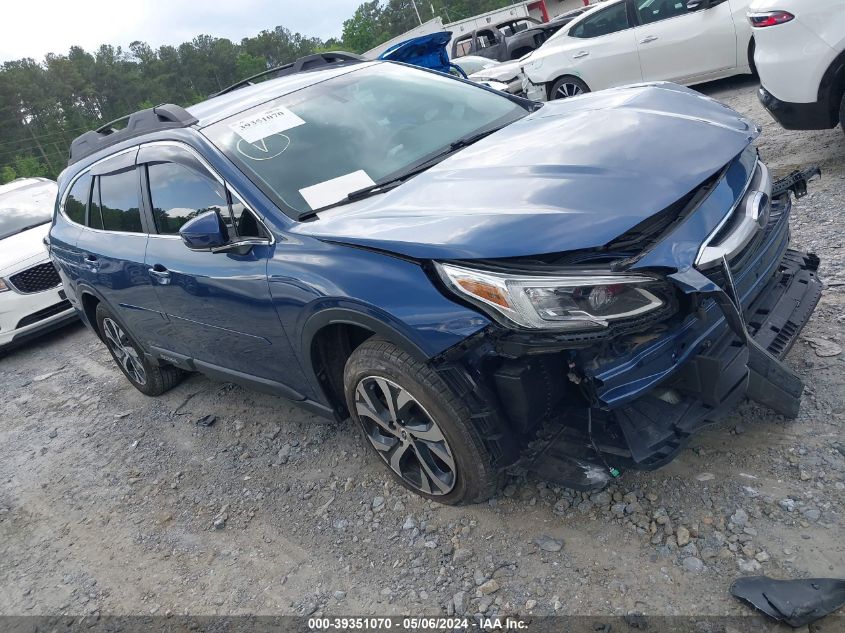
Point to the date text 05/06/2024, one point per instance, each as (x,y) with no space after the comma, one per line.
(373,623)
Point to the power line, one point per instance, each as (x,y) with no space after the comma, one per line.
(48,138)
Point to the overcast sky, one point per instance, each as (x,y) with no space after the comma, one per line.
(34,28)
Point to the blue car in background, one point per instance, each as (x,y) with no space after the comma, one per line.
(475,279)
(425,51)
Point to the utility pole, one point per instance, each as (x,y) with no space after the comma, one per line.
(416,10)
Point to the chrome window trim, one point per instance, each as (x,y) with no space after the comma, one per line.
(753,207)
(165,143)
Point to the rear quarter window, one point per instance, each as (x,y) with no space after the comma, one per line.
(77,199)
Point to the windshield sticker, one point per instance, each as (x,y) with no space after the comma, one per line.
(265,148)
(330,191)
(263,124)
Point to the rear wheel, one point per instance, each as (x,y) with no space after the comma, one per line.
(146,377)
(417,426)
(568,86)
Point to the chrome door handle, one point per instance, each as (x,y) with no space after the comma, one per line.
(160,274)
(648,38)
(580,54)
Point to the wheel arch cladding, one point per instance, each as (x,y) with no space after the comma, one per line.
(832,86)
(315,284)
(89,309)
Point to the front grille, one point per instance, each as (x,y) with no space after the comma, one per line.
(36,279)
(46,313)
(759,256)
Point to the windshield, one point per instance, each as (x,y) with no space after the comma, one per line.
(25,205)
(313,147)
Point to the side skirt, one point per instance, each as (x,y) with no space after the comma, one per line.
(224,374)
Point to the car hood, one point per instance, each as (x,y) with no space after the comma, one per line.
(18,249)
(574,174)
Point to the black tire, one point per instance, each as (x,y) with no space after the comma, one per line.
(146,377)
(842,113)
(567,86)
(426,407)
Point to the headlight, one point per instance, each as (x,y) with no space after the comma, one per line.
(3,286)
(574,302)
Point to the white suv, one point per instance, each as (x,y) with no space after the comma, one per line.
(31,296)
(800,56)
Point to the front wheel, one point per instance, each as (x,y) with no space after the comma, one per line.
(146,377)
(416,425)
(568,86)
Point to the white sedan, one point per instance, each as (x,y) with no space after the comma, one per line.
(31,297)
(628,41)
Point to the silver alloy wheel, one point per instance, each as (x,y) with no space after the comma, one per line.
(405,436)
(123,351)
(566,90)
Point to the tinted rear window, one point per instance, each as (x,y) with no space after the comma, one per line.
(119,201)
(77,199)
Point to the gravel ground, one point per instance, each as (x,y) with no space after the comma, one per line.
(114,503)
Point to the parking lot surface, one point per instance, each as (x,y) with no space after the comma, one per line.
(112,502)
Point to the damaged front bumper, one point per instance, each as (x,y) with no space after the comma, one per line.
(634,402)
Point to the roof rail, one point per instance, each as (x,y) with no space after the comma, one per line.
(161,117)
(309,62)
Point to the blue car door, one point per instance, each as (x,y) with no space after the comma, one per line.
(111,248)
(219,304)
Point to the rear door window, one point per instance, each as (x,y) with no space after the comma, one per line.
(117,195)
(604,22)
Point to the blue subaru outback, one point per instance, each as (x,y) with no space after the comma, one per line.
(477,280)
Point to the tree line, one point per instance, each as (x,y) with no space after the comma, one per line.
(45,105)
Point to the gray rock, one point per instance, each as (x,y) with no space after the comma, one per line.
(682,534)
(739,518)
(787,504)
(748,566)
(410,523)
(339,595)
(461,555)
(811,514)
(53,433)
(693,565)
(548,544)
(378,503)
(459,602)
(491,586)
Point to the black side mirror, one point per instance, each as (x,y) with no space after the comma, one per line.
(204,232)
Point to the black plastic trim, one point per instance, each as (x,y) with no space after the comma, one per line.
(798,116)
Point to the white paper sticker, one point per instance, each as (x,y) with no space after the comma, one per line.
(263,124)
(336,189)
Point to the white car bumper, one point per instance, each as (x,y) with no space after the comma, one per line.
(37,305)
(535,92)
